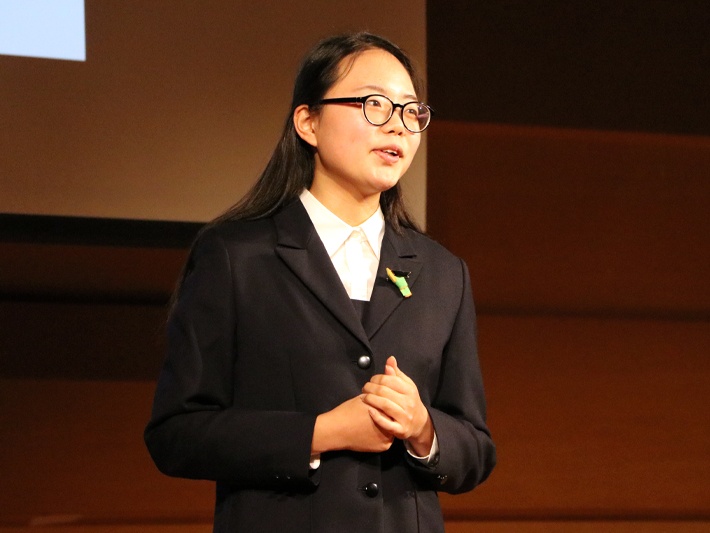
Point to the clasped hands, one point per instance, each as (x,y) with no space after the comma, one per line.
(395,407)
(388,408)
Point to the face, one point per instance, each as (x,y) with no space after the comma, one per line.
(353,156)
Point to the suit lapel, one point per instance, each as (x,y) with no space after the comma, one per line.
(301,249)
(397,253)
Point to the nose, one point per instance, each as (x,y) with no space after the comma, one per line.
(396,125)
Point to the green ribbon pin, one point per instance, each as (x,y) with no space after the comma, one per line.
(400,282)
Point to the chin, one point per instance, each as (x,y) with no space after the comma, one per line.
(385,184)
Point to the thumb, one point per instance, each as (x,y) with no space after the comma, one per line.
(391,367)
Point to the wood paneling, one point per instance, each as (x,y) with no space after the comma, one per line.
(589,253)
(594,418)
(73,451)
(575,221)
(76,272)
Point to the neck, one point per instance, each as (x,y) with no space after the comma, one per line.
(351,208)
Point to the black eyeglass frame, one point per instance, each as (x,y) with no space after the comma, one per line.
(362,99)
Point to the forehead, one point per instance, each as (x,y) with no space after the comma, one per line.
(374,68)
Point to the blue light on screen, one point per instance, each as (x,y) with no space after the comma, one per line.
(43,28)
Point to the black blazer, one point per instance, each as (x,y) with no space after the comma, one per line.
(264,338)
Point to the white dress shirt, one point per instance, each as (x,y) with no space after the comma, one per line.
(355,253)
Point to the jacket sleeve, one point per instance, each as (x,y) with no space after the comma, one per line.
(195,430)
(467,453)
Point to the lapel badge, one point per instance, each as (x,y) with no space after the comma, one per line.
(400,281)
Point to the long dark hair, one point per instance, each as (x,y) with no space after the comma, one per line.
(291,166)
(292,163)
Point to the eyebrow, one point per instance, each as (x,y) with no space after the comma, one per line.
(382,91)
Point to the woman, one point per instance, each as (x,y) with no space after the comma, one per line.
(322,364)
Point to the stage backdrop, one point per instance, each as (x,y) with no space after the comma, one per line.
(177,107)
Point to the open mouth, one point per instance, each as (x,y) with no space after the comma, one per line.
(391,151)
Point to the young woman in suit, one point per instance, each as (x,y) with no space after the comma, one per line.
(322,364)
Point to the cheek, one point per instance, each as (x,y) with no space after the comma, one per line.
(414,144)
(349,141)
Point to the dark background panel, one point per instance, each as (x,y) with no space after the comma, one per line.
(96,231)
(638,65)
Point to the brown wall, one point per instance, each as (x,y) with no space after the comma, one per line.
(575,221)
(570,167)
(589,254)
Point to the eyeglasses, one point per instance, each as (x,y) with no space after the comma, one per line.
(378,109)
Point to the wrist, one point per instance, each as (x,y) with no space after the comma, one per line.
(325,436)
(319,444)
(422,441)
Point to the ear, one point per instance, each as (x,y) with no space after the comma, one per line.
(306,122)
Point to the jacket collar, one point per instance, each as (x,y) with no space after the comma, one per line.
(399,254)
(303,252)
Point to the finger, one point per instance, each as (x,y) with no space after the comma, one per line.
(391,364)
(401,383)
(400,373)
(385,424)
(375,391)
(402,414)
(387,386)
(399,393)
(387,406)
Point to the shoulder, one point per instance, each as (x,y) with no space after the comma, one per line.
(236,234)
(288,222)
(225,244)
(443,271)
(428,249)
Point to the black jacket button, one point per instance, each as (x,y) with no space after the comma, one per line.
(364,361)
(371,489)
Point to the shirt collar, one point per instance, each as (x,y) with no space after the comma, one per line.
(334,232)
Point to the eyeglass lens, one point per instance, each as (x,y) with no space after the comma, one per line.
(378,110)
